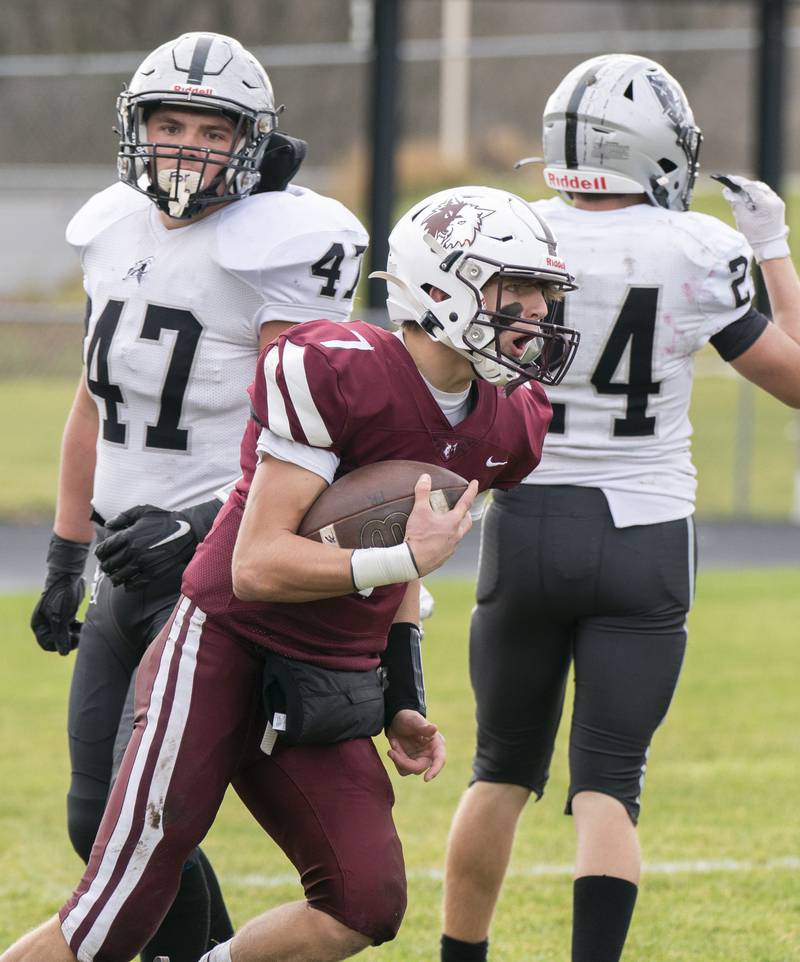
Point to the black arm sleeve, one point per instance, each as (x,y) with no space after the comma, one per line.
(734,340)
(402,661)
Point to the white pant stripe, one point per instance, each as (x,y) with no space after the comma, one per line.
(151,834)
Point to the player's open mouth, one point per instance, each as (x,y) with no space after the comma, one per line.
(519,344)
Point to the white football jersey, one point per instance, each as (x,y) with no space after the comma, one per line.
(655,285)
(172,339)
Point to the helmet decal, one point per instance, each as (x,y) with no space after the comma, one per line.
(487,237)
(670,99)
(621,124)
(456,223)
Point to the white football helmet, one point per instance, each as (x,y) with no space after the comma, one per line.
(203,71)
(620,124)
(458,240)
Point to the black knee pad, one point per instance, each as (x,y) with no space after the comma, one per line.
(83,820)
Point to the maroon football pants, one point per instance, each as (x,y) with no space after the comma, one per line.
(199,724)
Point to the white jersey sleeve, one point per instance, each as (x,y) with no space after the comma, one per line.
(727,292)
(301,251)
(654,287)
(317,460)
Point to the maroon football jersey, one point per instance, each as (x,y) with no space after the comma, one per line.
(354,389)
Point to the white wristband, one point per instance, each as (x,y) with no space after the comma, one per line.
(373,567)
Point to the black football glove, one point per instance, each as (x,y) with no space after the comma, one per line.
(151,543)
(53,620)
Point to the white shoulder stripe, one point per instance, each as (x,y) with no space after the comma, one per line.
(277,418)
(306,410)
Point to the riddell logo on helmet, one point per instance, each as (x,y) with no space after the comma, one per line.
(574,182)
(556,263)
(181,89)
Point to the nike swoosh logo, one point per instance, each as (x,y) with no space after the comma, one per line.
(183,528)
(491,463)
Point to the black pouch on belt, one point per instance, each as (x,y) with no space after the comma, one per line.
(309,705)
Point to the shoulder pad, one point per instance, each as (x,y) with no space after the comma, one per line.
(101,211)
(252,231)
(707,240)
(343,339)
(716,233)
(296,393)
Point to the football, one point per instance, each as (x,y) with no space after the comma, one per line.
(369,507)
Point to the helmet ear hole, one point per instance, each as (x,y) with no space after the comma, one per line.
(435,293)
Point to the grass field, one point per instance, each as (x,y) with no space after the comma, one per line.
(719,826)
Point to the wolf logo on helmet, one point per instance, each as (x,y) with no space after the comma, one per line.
(456,222)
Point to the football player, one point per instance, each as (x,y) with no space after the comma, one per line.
(591,561)
(192,263)
(470,272)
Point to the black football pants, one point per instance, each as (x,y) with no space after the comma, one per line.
(559,585)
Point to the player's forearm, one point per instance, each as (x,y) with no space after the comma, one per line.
(783,288)
(409,606)
(290,569)
(76,472)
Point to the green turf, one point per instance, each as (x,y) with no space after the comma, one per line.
(35,412)
(722,785)
(764,486)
